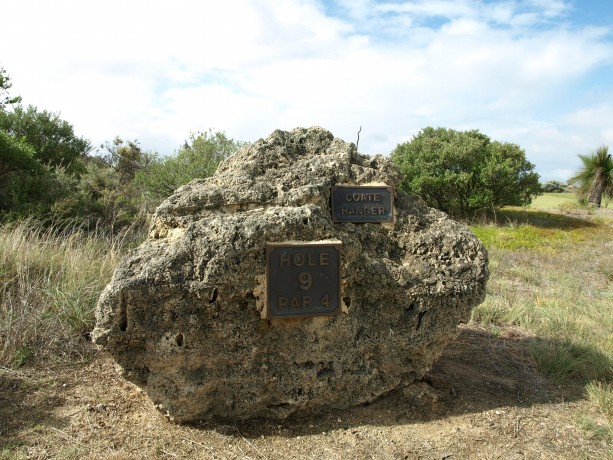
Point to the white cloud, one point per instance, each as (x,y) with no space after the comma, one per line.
(550,8)
(593,124)
(464,27)
(156,70)
(442,8)
(607,137)
(500,12)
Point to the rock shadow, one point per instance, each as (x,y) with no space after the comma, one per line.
(477,372)
(542,219)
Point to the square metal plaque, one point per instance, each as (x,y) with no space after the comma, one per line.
(362,204)
(303,279)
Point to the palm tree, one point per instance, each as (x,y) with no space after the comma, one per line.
(595,177)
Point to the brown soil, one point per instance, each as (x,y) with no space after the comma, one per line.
(483,399)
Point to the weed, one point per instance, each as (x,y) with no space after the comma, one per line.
(601,395)
(594,429)
(71,452)
(22,355)
(575,207)
(563,361)
(13,453)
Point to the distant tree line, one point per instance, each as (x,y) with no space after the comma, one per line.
(49,173)
(554,186)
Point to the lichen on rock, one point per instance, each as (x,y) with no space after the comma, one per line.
(182,314)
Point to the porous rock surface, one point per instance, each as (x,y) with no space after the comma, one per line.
(181,315)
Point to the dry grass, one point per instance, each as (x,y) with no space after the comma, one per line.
(549,306)
(484,400)
(51,280)
(553,278)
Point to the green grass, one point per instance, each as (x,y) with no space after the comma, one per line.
(525,236)
(595,429)
(50,282)
(601,394)
(520,229)
(552,276)
(559,201)
(552,200)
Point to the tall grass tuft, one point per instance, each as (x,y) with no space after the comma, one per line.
(601,394)
(599,425)
(50,279)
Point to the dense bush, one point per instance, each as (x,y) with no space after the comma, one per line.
(27,187)
(40,161)
(111,190)
(17,163)
(464,172)
(198,158)
(52,139)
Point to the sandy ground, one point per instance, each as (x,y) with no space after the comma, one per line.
(483,399)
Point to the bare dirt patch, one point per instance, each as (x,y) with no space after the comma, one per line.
(483,399)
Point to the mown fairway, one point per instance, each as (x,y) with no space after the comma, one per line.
(559,201)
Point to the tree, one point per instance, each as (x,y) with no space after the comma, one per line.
(52,138)
(17,165)
(16,155)
(5,85)
(595,177)
(198,158)
(40,160)
(46,172)
(26,186)
(464,172)
(126,158)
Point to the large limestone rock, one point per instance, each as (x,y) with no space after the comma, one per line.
(182,314)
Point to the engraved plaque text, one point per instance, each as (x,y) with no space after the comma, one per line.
(362,204)
(303,279)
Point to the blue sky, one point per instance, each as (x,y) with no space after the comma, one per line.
(538,73)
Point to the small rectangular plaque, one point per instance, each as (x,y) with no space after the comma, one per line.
(303,279)
(362,204)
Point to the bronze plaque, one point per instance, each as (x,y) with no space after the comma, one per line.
(303,279)
(362,204)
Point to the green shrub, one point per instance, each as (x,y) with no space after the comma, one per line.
(52,139)
(464,173)
(595,177)
(197,159)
